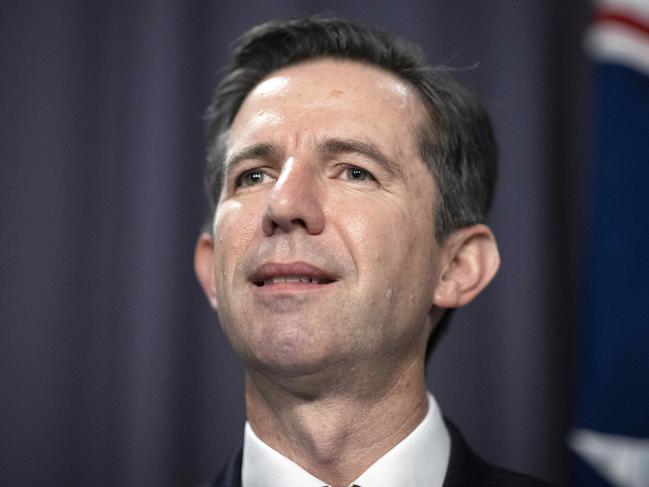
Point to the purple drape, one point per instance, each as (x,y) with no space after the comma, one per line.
(112,368)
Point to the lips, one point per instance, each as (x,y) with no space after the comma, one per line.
(295,273)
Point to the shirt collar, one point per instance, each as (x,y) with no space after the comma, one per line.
(262,466)
(421,458)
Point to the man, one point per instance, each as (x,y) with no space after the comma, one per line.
(348,185)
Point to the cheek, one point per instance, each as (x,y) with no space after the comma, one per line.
(393,244)
(234,229)
(377,235)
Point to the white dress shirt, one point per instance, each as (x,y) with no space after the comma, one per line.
(420,459)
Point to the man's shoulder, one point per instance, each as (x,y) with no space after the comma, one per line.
(466,468)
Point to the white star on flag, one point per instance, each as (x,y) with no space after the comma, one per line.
(622,460)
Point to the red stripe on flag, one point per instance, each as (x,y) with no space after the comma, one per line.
(621,18)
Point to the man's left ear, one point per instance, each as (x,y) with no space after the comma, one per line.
(470,260)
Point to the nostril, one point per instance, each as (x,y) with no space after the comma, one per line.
(259,283)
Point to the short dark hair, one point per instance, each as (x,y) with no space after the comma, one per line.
(457,145)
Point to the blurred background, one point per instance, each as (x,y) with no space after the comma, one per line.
(113,369)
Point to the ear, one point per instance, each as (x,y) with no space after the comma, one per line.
(470,262)
(204,266)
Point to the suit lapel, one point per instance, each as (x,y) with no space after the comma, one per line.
(464,466)
(230,476)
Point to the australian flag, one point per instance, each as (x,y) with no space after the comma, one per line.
(611,428)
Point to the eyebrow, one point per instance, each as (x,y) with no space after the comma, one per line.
(262,150)
(354,146)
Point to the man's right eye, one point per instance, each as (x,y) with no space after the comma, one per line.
(252,178)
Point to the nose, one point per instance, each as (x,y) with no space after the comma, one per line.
(295,201)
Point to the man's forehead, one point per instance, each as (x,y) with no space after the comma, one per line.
(344,76)
(347,95)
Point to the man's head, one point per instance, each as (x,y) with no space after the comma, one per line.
(348,183)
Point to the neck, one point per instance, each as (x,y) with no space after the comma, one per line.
(336,435)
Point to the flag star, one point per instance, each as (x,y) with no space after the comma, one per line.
(622,460)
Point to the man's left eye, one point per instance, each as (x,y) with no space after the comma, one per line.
(354,173)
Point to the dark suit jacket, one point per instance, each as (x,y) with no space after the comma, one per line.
(465,469)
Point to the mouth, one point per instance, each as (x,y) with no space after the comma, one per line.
(295,275)
(292,279)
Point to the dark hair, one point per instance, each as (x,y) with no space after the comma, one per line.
(457,145)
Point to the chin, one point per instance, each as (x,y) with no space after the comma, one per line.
(291,358)
(288,345)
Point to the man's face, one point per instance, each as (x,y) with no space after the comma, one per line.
(324,251)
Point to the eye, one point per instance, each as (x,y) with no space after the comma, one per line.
(354,173)
(252,178)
